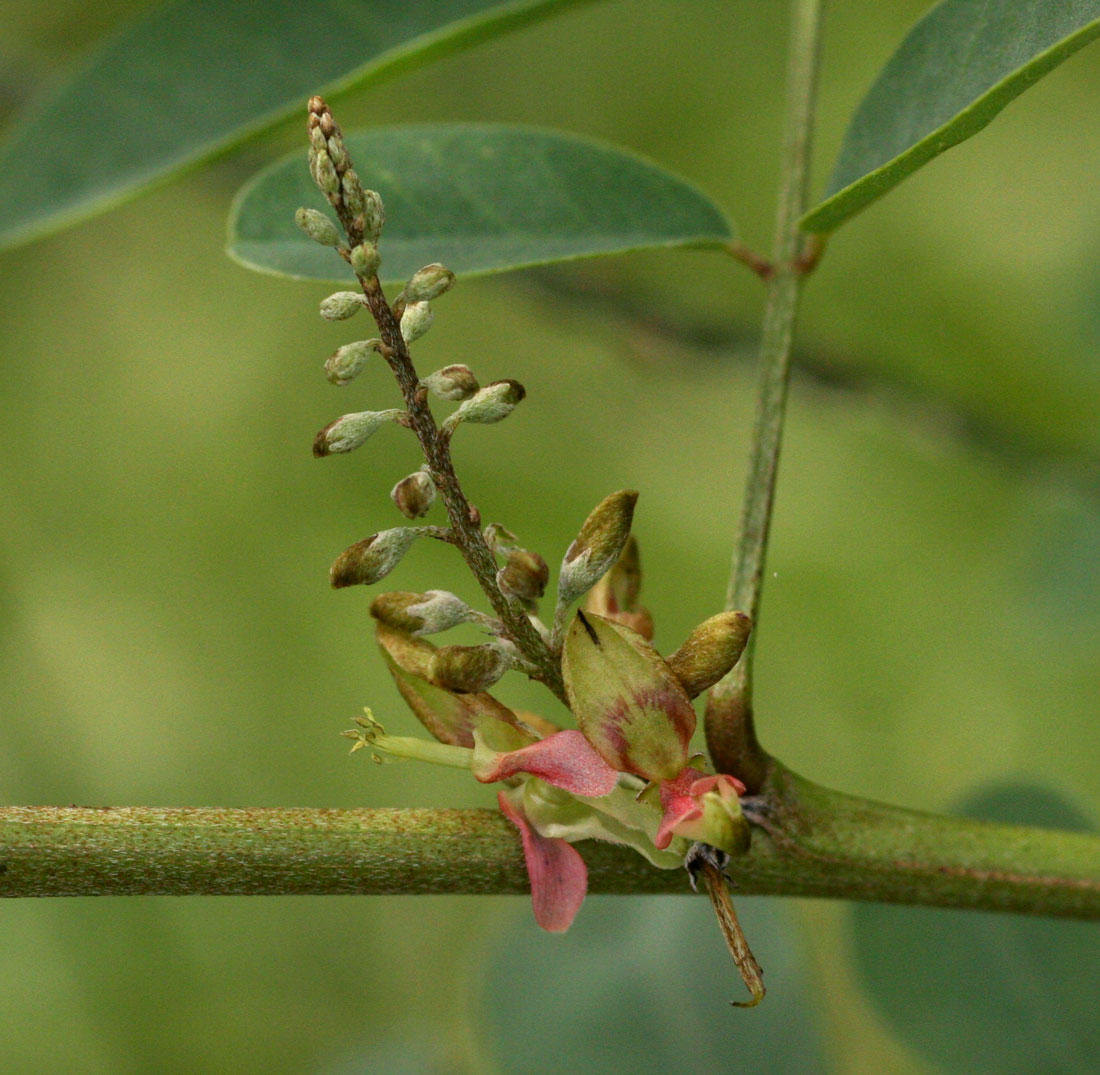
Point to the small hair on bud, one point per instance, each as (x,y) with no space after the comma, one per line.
(467,669)
(453,383)
(341,305)
(372,558)
(365,259)
(317,226)
(416,320)
(420,613)
(414,495)
(350,431)
(427,283)
(348,361)
(524,576)
(597,546)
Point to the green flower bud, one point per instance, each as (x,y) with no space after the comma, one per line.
(349,360)
(428,283)
(420,613)
(627,702)
(365,259)
(416,320)
(452,383)
(414,495)
(351,188)
(317,226)
(350,431)
(341,305)
(597,546)
(467,669)
(374,215)
(710,651)
(524,575)
(372,558)
(492,403)
(324,174)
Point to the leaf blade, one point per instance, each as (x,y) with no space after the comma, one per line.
(120,126)
(480,198)
(952,74)
(984,992)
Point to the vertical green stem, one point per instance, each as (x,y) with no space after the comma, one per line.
(729,725)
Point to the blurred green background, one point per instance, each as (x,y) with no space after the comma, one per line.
(169,637)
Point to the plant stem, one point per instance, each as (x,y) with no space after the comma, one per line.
(809,841)
(731,737)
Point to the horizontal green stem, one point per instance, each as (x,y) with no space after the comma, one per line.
(809,842)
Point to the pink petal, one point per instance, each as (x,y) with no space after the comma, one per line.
(680,802)
(559,877)
(564,759)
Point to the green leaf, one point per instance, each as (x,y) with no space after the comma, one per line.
(643,984)
(956,69)
(197,77)
(479,198)
(979,992)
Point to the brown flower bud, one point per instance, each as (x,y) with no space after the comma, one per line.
(414,495)
(467,669)
(452,383)
(710,651)
(524,575)
(373,558)
(420,613)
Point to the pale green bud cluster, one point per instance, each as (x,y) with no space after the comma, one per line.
(341,305)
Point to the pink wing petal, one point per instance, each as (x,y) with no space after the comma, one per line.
(564,759)
(559,877)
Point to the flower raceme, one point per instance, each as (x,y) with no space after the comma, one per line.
(625,775)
